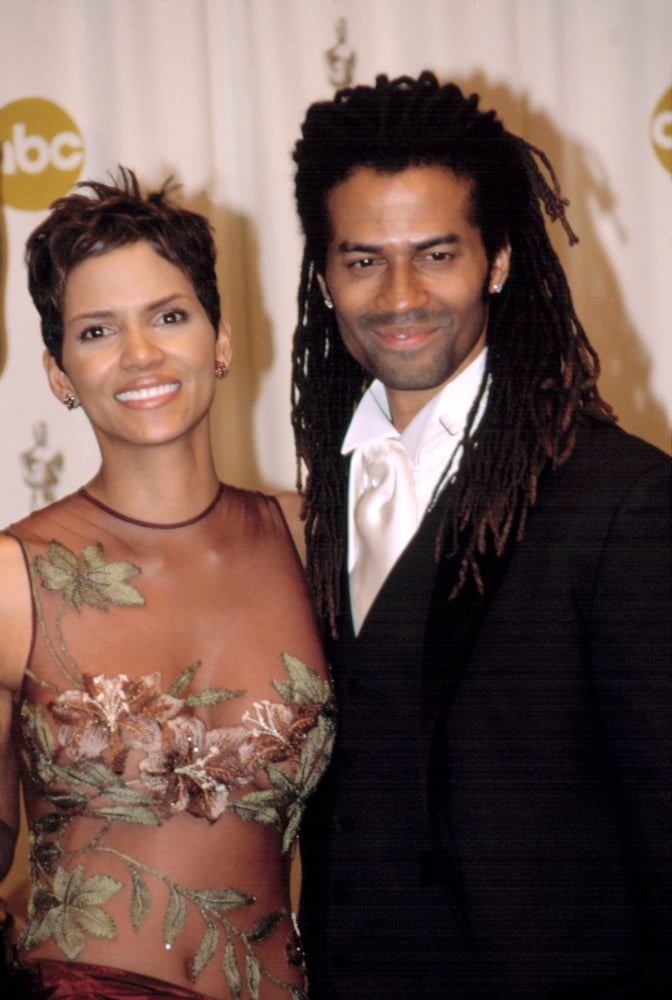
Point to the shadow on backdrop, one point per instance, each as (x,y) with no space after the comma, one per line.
(625,379)
(242,304)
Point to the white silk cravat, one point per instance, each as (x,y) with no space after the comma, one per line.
(385,517)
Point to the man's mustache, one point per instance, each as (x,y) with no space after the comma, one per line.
(421,317)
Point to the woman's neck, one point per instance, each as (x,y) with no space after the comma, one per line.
(160,486)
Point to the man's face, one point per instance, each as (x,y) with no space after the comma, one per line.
(409,278)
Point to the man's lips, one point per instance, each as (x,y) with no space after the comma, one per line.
(411,329)
(145,393)
(403,336)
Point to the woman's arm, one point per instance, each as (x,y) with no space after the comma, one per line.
(9,786)
(15,639)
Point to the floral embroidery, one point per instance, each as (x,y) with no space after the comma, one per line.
(88,578)
(281,805)
(195,769)
(76,748)
(279,731)
(112,716)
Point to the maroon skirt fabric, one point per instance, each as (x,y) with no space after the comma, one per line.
(79,981)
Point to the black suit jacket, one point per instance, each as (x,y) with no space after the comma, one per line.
(496,819)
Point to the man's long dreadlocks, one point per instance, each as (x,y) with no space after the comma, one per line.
(541,370)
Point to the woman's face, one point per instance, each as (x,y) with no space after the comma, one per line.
(139,351)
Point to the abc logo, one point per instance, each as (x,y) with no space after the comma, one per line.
(661,130)
(42,153)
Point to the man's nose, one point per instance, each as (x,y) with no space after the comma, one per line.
(402,289)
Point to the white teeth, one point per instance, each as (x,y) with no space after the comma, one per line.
(151,392)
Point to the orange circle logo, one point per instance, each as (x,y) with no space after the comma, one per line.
(661,130)
(42,153)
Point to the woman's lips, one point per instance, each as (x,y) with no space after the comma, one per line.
(146,393)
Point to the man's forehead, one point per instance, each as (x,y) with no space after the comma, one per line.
(419,205)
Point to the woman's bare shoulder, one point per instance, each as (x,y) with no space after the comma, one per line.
(291,504)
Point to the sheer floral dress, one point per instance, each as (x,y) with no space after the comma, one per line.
(175,715)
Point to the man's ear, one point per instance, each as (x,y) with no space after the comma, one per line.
(59,383)
(499,271)
(223,345)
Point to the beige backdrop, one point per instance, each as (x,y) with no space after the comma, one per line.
(213,92)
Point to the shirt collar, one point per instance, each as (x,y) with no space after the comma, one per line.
(370,420)
(449,408)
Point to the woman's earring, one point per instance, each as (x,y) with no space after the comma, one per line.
(496,289)
(70,401)
(221,370)
(328,303)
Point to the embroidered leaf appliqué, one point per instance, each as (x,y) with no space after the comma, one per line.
(265,926)
(230,969)
(253,976)
(211,696)
(176,914)
(67,801)
(183,680)
(305,686)
(128,814)
(206,949)
(72,910)
(202,699)
(222,899)
(140,900)
(259,807)
(88,578)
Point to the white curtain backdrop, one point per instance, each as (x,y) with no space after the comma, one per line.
(214,91)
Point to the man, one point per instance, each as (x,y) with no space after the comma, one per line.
(491,558)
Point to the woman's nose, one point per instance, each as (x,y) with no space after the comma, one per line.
(140,348)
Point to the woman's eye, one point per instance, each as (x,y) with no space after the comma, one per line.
(174,316)
(94,333)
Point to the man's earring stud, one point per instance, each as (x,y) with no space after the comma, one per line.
(70,401)
(496,289)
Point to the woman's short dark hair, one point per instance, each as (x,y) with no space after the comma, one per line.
(98,218)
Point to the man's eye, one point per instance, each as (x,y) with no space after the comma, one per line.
(362,262)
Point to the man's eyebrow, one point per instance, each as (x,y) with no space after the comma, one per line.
(346,247)
(449,239)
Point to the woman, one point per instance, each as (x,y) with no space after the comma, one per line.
(158,657)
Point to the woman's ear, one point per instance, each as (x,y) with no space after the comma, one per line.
(223,345)
(59,383)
